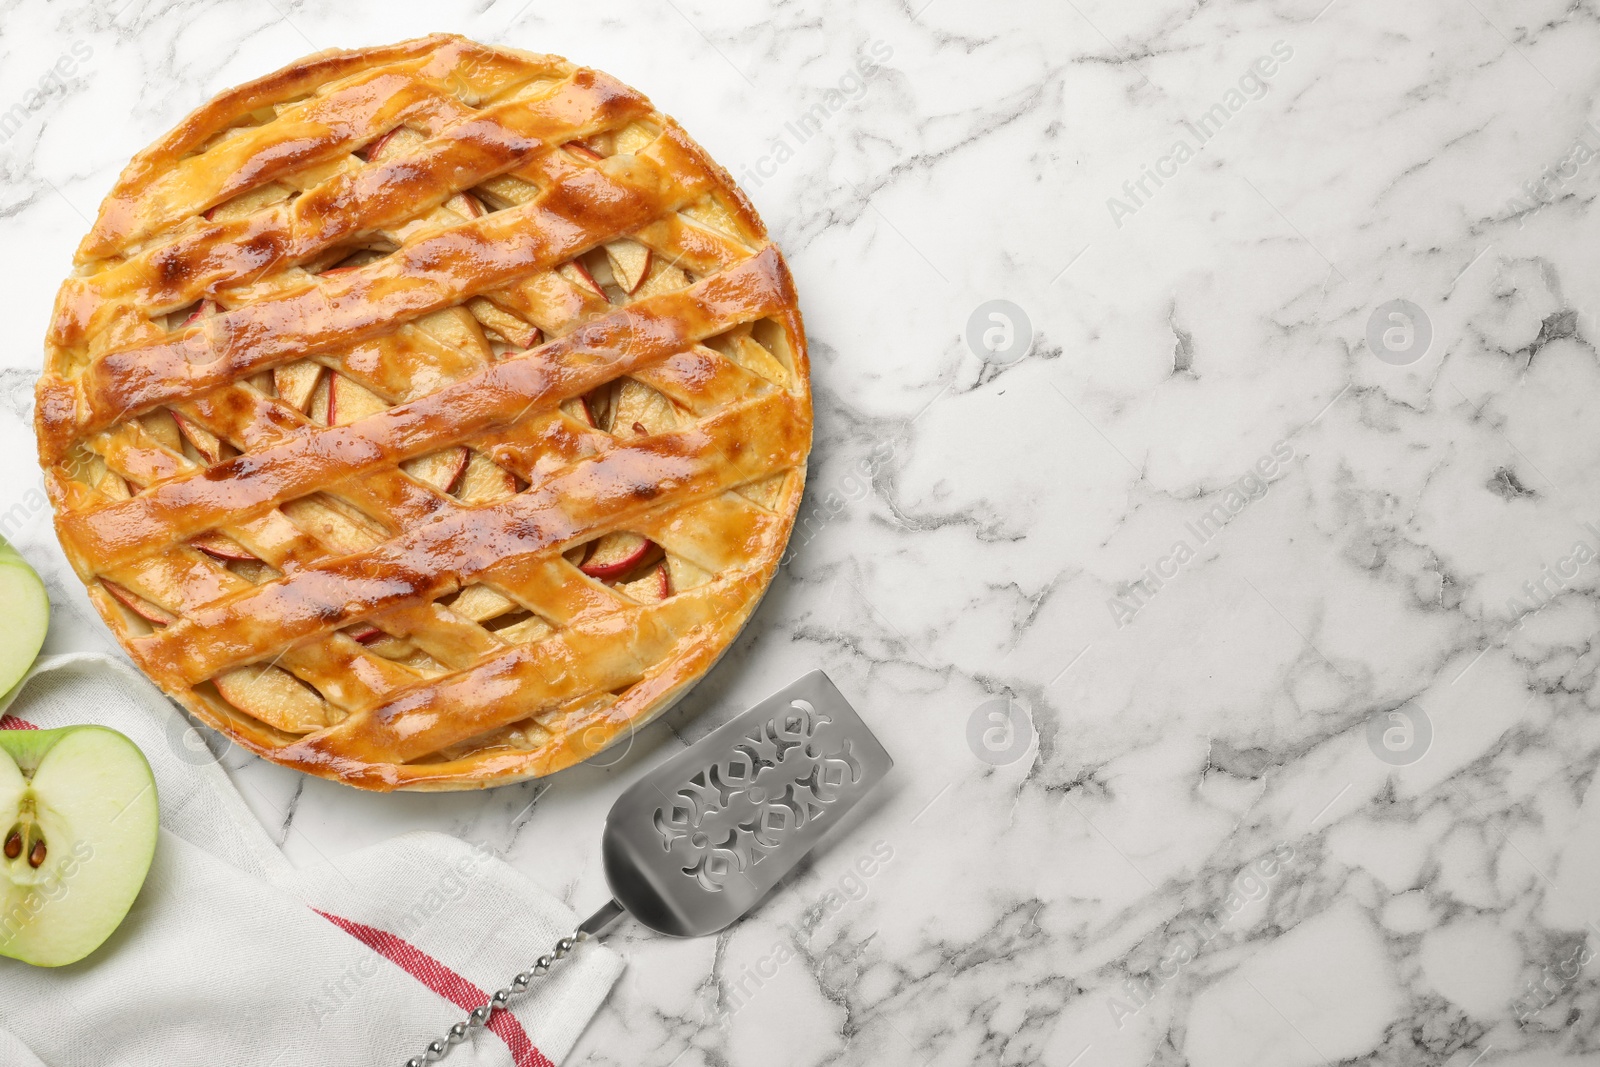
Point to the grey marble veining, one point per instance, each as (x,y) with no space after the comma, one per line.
(1240,682)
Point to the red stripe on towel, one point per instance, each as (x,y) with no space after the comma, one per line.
(11,722)
(445,982)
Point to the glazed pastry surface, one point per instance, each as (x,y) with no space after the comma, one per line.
(428,416)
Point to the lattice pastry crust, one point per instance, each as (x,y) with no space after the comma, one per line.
(426,417)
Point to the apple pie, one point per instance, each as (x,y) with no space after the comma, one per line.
(427,416)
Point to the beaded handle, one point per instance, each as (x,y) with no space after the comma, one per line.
(593,926)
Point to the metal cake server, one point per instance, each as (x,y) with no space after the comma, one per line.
(700,840)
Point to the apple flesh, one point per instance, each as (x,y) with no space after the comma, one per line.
(223,548)
(514,331)
(578,408)
(141,607)
(630,262)
(466,205)
(654,586)
(296,381)
(615,554)
(442,470)
(376,149)
(79,817)
(348,402)
(202,440)
(484,481)
(578,274)
(27,612)
(365,633)
(204,307)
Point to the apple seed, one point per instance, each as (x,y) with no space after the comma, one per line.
(14,845)
(36,857)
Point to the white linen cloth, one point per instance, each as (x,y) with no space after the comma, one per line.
(231,955)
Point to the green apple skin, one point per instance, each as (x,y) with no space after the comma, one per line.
(88,793)
(27,613)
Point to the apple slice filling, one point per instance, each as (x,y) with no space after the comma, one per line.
(222,548)
(442,470)
(579,275)
(499,614)
(480,603)
(206,446)
(630,262)
(138,605)
(274,696)
(641,410)
(661,277)
(296,381)
(485,482)
(248,203)
(114,486)
(191,315)
(740,346)
(502,324)
(455,328)
(633,564)
(653,586)
(616,554)
(163,428)
(349,402)
(632,138)
(578,408)
(339,528)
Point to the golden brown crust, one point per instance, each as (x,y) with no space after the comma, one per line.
(318,416)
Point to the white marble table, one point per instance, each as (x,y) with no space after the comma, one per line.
(1296,641)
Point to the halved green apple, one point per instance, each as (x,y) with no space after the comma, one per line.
(78,822)
(27,612)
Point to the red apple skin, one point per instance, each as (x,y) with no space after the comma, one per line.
(220,549)
(207,306)
(649,257)
(620,567)
(588,279)
(583,150)
(666,581)
(366,634)
(454,481)
(338,386)
(586,413)
(372,150)
(133,603)
(188,429)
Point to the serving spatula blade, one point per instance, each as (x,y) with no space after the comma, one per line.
(696,843)
(699,840)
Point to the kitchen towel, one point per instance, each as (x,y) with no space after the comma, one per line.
(231,954)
